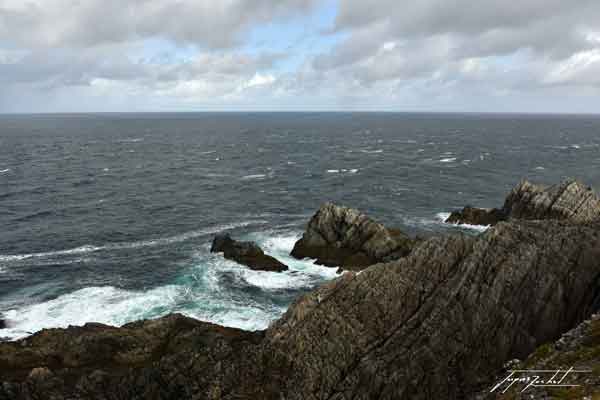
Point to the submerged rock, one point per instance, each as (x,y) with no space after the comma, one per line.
(3,324)
(476,216)
(569,200)
(246,253)
(343,237)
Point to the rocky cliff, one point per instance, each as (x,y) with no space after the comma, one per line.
(438,323)
(570,200)
(344,237)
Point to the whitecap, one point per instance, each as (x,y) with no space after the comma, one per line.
(333,171)
(372,151)
(253,177)
(133,245)
(105,304)
(447,160)
(130,140)
(3,171)
(540,168)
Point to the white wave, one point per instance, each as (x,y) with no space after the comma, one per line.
(113,306)
(208,152)
(131,140)
(106,304)
(443,216)
(447,160)
(575,146)
(344,170)
(372,151)
(252,177)
(540,168)
(133,245)
(3,171)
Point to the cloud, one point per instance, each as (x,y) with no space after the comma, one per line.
(74,23)
(337,54)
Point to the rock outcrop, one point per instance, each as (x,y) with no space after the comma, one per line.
(439,323)
(246,253)
(476,216)
(569,200)
(343,237)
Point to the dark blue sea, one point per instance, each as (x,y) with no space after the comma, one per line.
(109,217)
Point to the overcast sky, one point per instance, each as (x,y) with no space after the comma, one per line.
(178,55)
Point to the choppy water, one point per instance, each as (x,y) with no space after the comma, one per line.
(109,217)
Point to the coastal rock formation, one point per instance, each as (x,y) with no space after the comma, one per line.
(246,253)
(135,361)
(438,323)
(343,237)
(569,200)
(476,216)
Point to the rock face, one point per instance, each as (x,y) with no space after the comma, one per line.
(570,200)
(439,323)
(246,253)
(343,237)
(137,361)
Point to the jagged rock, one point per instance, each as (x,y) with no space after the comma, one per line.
(476,216)
(569,200)
(2,324)
(141,360)
(439,323)
(343,237)
(246,253)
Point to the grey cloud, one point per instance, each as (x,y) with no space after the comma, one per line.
(73,23)
(432,37)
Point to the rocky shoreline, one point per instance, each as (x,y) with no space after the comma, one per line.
(412,319)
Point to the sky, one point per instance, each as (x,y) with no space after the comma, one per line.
(276,55)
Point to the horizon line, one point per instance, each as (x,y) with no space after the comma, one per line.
(306,111)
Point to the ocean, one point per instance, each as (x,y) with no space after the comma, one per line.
(109,217)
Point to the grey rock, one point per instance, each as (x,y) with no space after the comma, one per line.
(344,237)
(569,200)
(246,253)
